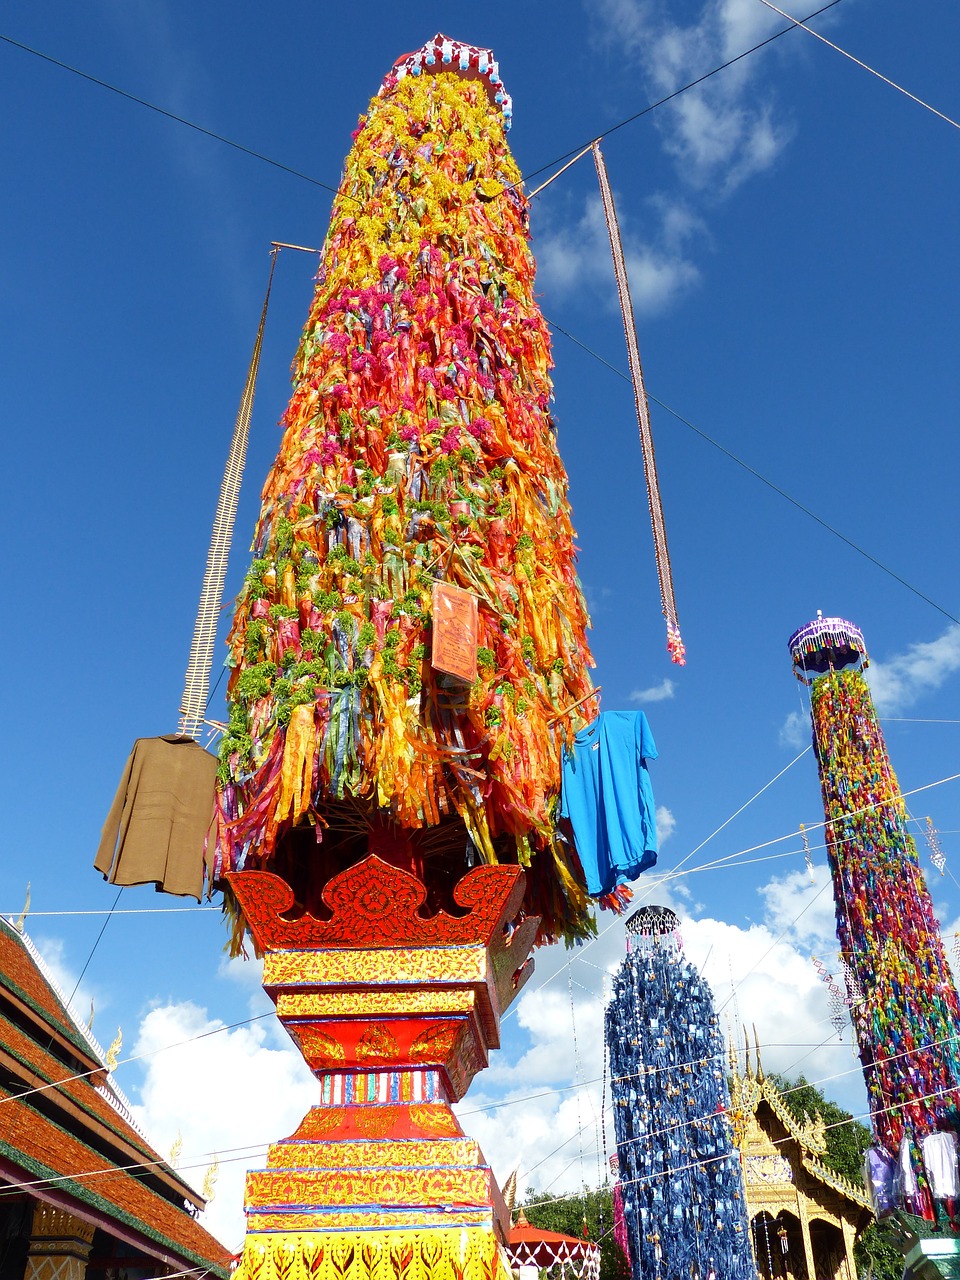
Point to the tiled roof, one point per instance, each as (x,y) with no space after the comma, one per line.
(27,1053)
(20,975)
(72,1139)
(47,1151)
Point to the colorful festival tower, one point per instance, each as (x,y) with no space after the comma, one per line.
(903,1000)
(409,661)
(679,1174)
(418,481)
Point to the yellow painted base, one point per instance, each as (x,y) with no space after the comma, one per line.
(467,1253)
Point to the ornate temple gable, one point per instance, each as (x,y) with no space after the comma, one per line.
(778,1150)
(804,1218)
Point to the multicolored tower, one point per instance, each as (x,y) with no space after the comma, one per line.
(680,1180)
(904,1004)
(409,654)
(409,661)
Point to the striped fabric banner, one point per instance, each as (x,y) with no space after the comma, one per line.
(345,1088)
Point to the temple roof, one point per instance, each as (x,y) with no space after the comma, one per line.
(753,1089)
(21,975)
(527,1244)
(523,1232)
(67,1136)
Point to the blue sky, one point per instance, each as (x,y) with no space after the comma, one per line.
(791,234)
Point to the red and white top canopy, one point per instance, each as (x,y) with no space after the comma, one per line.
(466,60)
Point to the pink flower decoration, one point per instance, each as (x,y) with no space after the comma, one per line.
(451,440)
(331,450)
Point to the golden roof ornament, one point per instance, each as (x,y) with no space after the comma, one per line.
(113,1053)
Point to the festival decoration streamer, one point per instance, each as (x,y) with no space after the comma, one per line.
(937,856)
(681,1185)
(837,999)
(418,450)
(854,992)
(905,1008)
(806,854)
(664,570)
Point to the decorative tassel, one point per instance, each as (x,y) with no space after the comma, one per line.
(664,571)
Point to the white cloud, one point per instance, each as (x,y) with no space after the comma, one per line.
(666,824)
(655,693)
(555,1138)
(53,958)
(718,135)
(623,22)
(597,598)
(802,910)
(662,886)
(795,730)
(574,256)
(760,981)
(721,132)
(905,678)
(228,1094)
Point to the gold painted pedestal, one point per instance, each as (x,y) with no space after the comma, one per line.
(395,1013)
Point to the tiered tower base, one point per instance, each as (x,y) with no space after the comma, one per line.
(394,1013)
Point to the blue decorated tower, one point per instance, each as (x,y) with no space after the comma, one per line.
(680,1174)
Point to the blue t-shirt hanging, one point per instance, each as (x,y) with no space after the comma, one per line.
(608,797)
